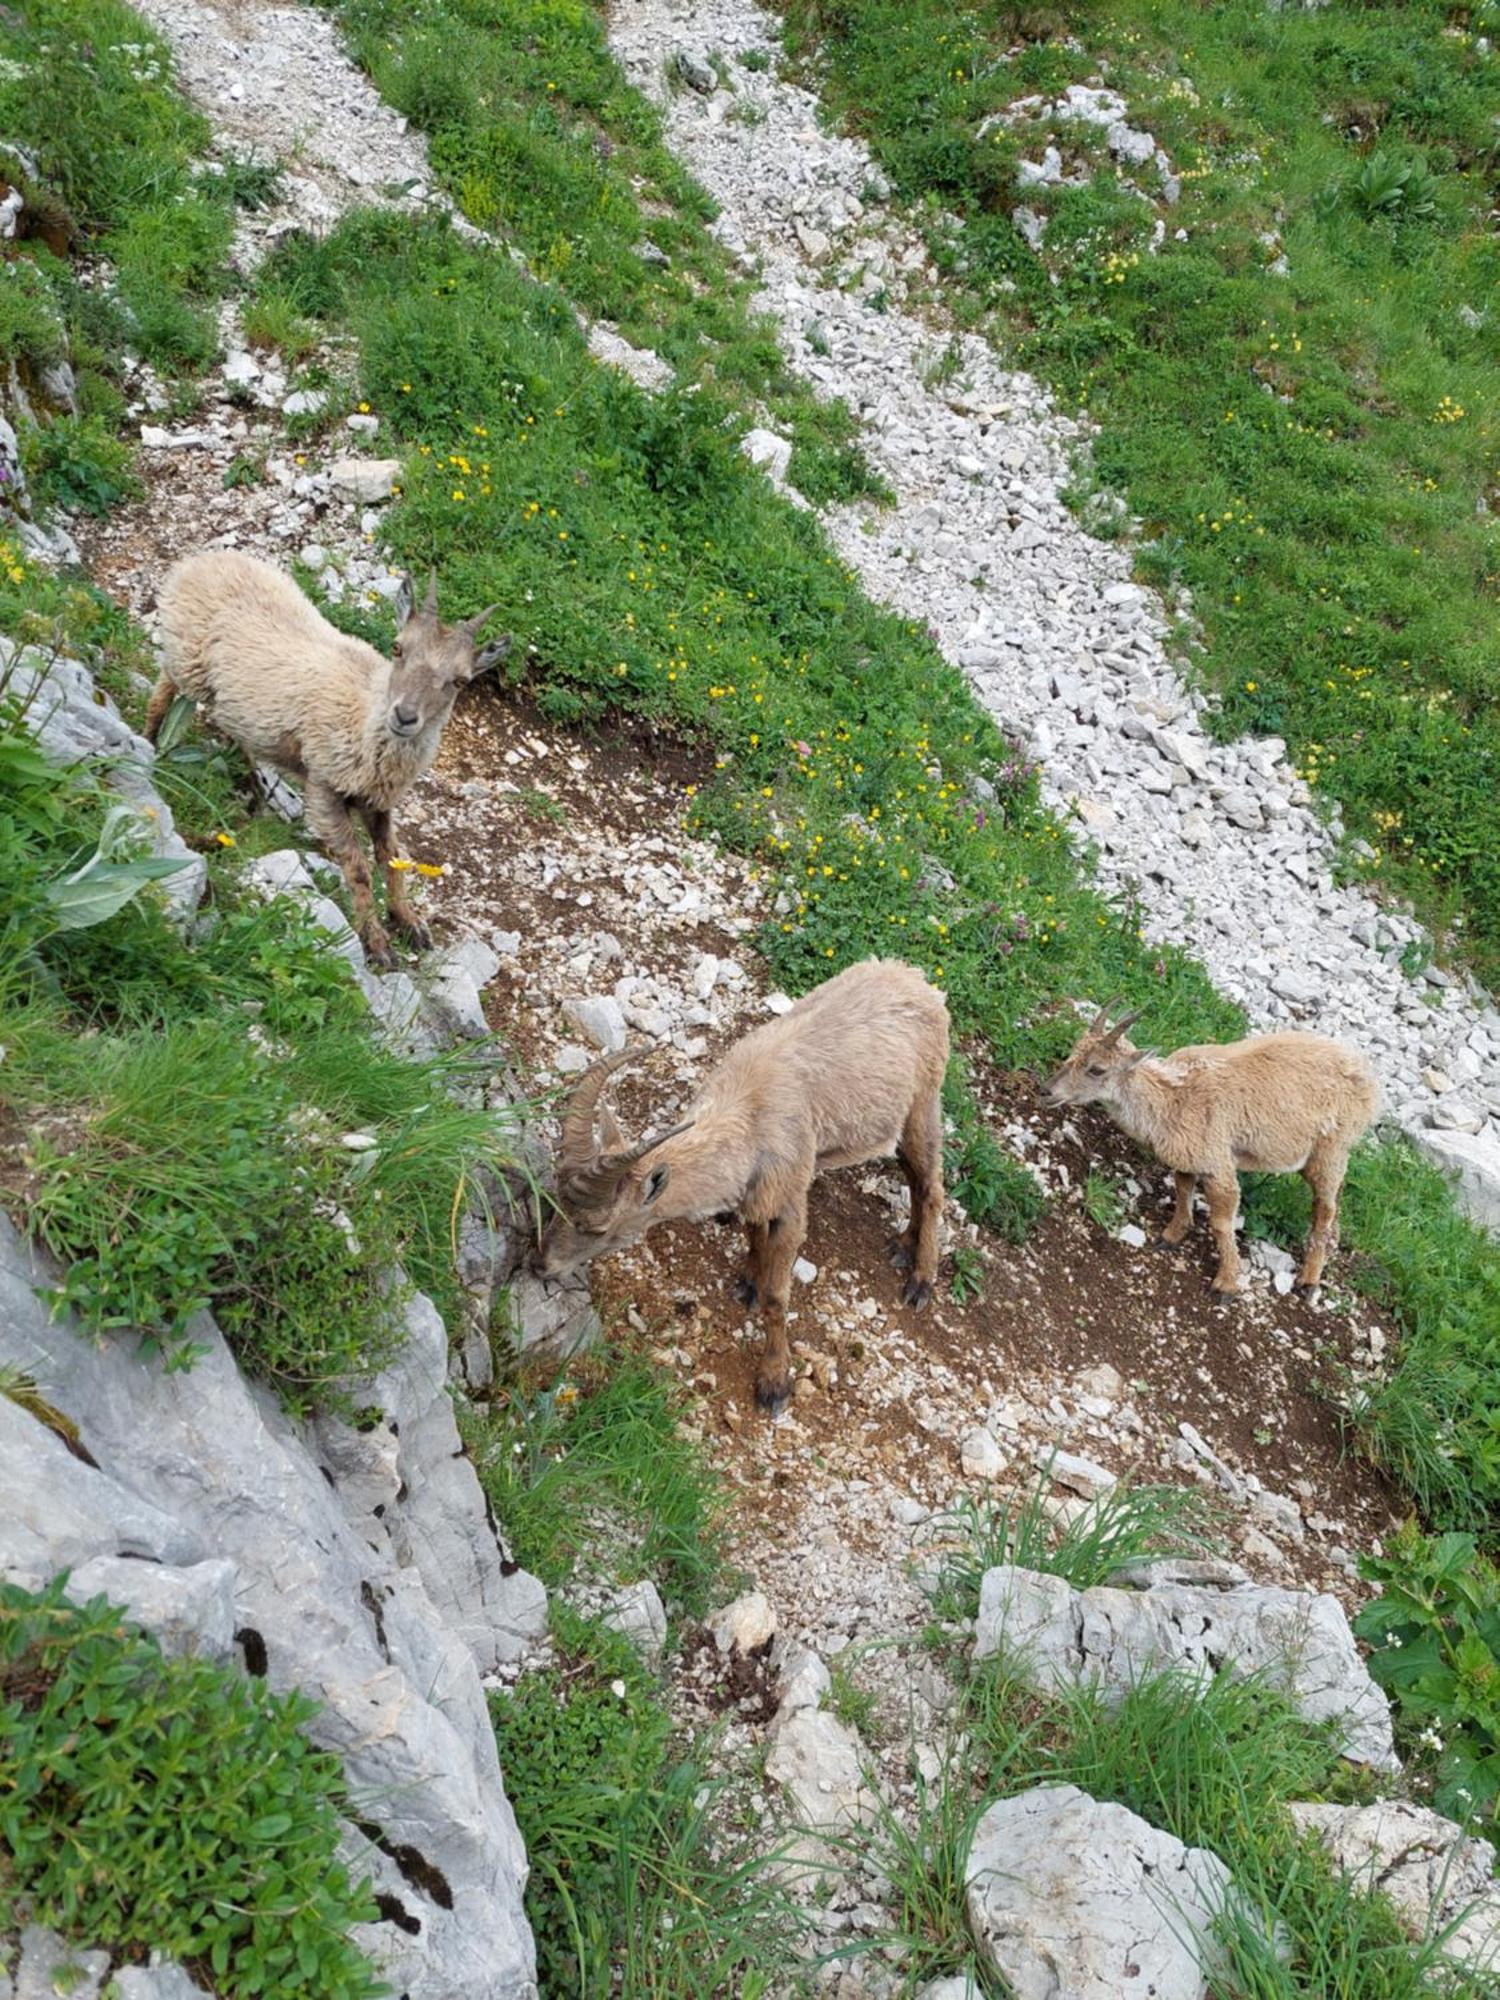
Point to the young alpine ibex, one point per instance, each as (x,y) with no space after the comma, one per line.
(1272,1104)
(293,691)
(853,1071)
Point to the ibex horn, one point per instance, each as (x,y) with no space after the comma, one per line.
(596,1181)
(1125,1021)
(472,625)
(1102,1017)
(624,1160)
(576,1147)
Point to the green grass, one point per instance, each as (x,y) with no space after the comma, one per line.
(639,1886)
(88,92)
(1127,1524)
(151,1804)
(1312,455)
(604,1446)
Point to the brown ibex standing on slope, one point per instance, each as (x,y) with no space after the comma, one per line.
(1272,1104)
(293,691)
(853,1071)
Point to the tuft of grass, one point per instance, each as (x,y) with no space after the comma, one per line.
(639,1887)
(1104,1201)
(152,1804)
(601,1455)
(1125,1525)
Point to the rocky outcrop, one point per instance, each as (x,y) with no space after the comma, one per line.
(358,1566)
(1070,1899)
(1113,1637)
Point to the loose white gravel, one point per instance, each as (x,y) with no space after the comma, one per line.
(1221,842)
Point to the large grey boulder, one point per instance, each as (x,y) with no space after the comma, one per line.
(1069,1899)
(1474,1158)
(819,1763)
(1113,1637)
(1438,1880)
(197,1467)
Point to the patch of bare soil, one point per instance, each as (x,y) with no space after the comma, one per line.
(574,852)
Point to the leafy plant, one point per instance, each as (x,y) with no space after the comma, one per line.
(1434,1634)
(78,463)
(151,1804)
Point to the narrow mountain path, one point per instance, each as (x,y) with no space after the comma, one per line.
(1221,842)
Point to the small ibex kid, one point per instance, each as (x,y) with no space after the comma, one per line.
(294,691)
(853,1071)
(1272,1104)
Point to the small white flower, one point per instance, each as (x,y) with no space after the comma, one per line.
(617,1689)
(1430,1740)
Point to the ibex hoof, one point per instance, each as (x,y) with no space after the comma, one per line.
(1228,1290)
(745,1290)
(416,933)
(773,1396)
(378,950)
(898,1250)
(916,1293)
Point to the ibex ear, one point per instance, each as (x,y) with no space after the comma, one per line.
(492,654)
(613,1138)
(406,599)
(655,1181)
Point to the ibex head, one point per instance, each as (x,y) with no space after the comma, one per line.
(1102,1057)
(607,1189)
(431,661)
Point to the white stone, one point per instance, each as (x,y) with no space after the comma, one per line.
(305,403)
(636,1610)
(366,480)
(981,1457)
(1420,1862)
(1080,1475)
(600,1017)
(745,1625)
(1299,1641)
(1071,1899)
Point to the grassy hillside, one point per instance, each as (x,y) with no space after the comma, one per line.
(1296,390)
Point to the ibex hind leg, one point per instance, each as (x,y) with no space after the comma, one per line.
(162,697)
(747,1286)
(920,1154)
(1324,1174)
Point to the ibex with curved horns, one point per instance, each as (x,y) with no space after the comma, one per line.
(293,691)
(1272,1104)
(853,1071)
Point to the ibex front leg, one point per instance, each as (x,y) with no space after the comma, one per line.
(403,916)
(328,816)
(748,1285)
(784,1234)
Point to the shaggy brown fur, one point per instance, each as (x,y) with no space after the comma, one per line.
(853,1071)
(1273,1104)
(270,671)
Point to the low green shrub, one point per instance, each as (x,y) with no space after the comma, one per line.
(1434,1638)
(172,1805)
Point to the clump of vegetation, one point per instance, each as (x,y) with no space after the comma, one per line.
(636,1887)
(182,1110)
(603,1444)
(1124,1525)
(1295,389)
(152,1804)
(1434,1637)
